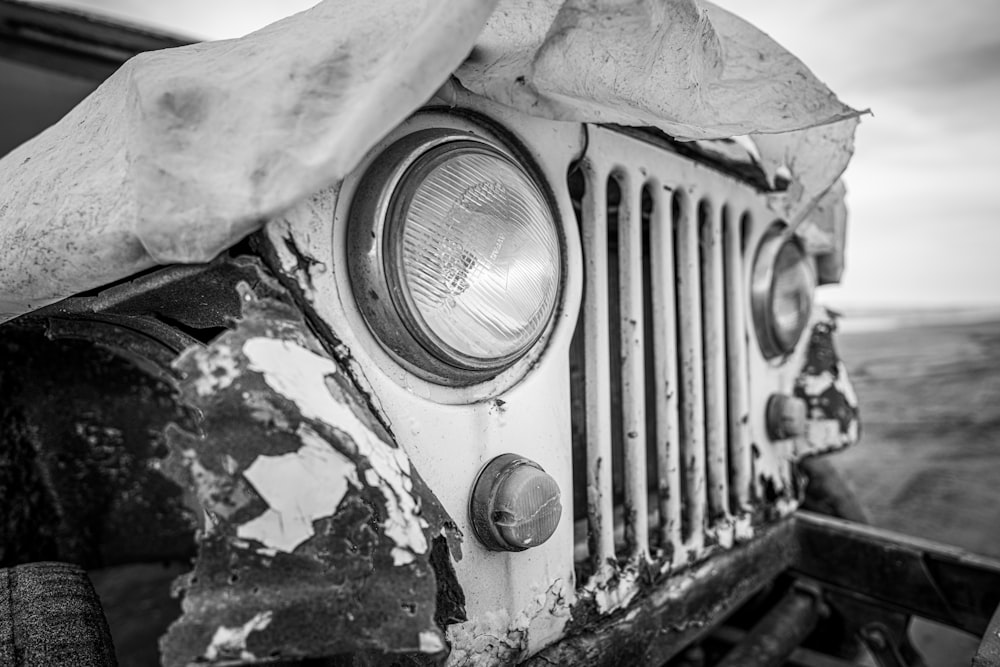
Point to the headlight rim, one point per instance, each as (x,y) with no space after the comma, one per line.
(762,294)
(379,298)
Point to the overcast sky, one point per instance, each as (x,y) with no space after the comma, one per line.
(924,185)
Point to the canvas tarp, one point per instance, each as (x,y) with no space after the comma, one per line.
(185,151)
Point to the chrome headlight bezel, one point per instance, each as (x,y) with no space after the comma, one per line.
(374,259)
(775,341)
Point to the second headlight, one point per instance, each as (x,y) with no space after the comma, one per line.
(455,256)
(783,286)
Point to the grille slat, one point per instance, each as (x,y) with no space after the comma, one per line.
(665,380)
(597,391)
(664,314)
(633,366)
(740,454)
(713,315)
(692,379)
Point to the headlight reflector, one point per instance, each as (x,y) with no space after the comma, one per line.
(456,265)
(474,254)
(782,299)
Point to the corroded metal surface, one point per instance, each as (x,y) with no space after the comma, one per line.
(779,632)
(81,422)
(672,612)
(320,538)
(832,405)
(898,572)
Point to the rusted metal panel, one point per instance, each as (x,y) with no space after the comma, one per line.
(778,633)
(319,538)
(676,611)
(833,415)
(194,298)
(920,577)
(84,406)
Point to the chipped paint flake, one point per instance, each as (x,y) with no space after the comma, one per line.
(743,528)
(300,375)
(231,642)
(299,487)
(430,642)
(495,638)
(613,588)
(814,385)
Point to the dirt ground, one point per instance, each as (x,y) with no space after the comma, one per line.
(929,461)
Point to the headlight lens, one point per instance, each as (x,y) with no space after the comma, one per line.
(470,257)
(475,256)
(783,286)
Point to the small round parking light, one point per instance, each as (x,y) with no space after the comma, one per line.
(515,504)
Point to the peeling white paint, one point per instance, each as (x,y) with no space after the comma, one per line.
(487,639)
(814,385)
(613,588)
(430,642)
(299,487)
(299,375)
(229,641)
(743,528)
(724,532)
(544,619)
(494,638)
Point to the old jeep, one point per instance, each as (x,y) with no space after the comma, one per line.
(516,364)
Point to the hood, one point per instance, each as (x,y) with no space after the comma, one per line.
(184,151)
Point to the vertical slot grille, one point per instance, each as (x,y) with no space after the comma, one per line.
(714,360)
(659,369)
(740,452)
(631,335)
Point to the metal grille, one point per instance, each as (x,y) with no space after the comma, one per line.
(663,452)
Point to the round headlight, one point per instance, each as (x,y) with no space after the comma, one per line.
(465,246)
(783,285)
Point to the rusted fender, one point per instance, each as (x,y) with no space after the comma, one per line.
(319,538)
